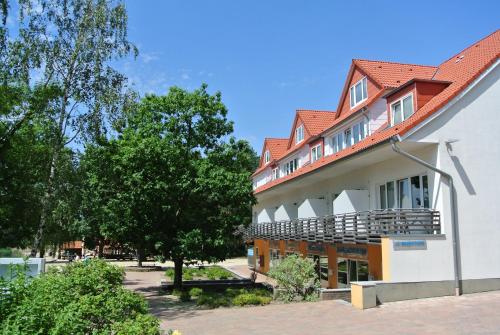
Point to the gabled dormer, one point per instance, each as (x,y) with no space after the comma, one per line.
(272,150)
(308,124)
(367,81)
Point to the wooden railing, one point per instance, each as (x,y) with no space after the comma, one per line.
(358,227)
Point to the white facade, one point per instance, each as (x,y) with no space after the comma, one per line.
(461,139)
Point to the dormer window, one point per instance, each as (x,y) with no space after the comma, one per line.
(402,109)
(299,134)
(267,157)
(359,92)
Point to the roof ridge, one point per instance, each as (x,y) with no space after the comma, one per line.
(275,138)
(314,110)
(390,62)
(468,47)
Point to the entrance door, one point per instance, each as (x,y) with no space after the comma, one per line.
(321,267)
(349,270)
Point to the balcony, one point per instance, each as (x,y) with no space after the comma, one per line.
(359,227)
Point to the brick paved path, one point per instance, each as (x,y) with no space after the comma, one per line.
(468,314)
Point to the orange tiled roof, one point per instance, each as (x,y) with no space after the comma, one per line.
(461,70)
(316,121)
(277,146)
(391,74)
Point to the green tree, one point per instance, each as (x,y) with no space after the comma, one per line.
(202,189)
(68,45)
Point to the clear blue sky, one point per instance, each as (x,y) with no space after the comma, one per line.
(269,58)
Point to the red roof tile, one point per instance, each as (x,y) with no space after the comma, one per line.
(391,75)
(461,70)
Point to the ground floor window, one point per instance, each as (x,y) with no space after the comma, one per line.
(321,265)
(274,256)
(349,270)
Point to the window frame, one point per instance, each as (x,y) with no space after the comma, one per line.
(400,101)
(299,130)
(315,149)
(275,174)
(364,91)
(396,190)
(267,157)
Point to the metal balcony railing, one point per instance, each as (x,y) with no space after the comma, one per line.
(357,227)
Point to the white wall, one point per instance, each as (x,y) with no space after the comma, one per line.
(286,212)
(474,163)
(262,178)
(312,208)
(266,215)
(351,201)
(377,114)
(431,264)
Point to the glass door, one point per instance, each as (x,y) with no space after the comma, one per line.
(321,267)
(349,270)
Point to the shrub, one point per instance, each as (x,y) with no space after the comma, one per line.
(82,298)
(213,300)
(195,292)
(216,272)
(8,252)
(296,278)
(250,299)
(185,296)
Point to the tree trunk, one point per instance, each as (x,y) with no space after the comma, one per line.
(178,273)
(47,197)
(140,256)
(100,249)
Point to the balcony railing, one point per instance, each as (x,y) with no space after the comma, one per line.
(358,227)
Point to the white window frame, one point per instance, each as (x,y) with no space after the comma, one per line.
(294,162)
(267,157)
(364,92)
(299,131)
(400,100)
(314,152)
(396,190)
(275,174)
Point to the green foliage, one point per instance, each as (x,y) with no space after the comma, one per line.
(195,292)
(296,277)
(82,298)
(185,296)
(234,297)
(209,272)
(9,252)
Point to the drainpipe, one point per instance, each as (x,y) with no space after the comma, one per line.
(454,231)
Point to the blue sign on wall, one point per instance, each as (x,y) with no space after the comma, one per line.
(410,245)
(250,252)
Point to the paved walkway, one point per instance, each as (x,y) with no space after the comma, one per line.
(468,314)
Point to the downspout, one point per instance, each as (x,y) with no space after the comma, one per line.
(454,230)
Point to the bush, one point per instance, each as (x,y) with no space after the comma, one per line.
(296,278)
(185,296)
(216,272)
(195,292)
(8,252)
(250,299)
(236,297)
(82,298)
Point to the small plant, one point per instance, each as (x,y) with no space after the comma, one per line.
(195,292)
(296,278)
(250,299)
(185,296)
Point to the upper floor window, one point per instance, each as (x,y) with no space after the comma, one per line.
(291,166)
(402,109)
(359,92)
(412,192)
(267,157)
(299,134)
(275,174)
(338,142)
(350,136)
(316,152)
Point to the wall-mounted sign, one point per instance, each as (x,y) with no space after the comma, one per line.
(410,245)
(292,245)
(353,251)
(250,252)
(316,247)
